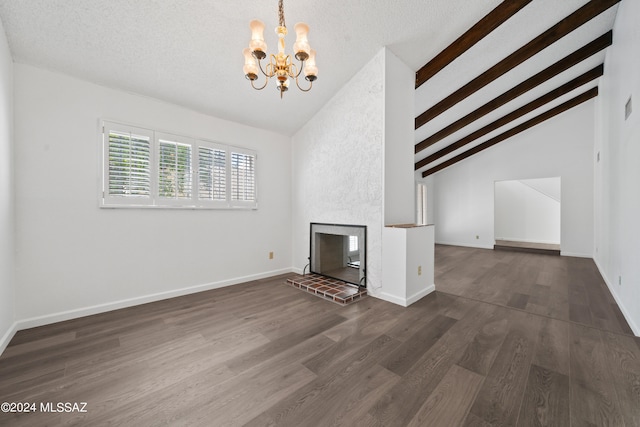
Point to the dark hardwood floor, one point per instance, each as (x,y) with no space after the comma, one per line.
(507,339)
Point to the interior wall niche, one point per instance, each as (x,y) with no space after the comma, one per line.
(528,210)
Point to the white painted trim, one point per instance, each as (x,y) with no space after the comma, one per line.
(625,313)
(515,239)
(297,270)
(6,338)
(405,302)
(575,254)
(421,294)
(466,245)
(390,298)
(101,308)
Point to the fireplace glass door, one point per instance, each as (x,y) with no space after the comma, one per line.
(339,251)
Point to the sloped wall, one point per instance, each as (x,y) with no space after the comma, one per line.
(463,194)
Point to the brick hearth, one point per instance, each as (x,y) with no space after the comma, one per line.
(330,289)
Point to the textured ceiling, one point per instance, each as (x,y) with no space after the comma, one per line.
(189,52)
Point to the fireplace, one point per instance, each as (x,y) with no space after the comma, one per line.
(339,251)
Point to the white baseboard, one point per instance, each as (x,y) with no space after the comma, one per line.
(466,245)
(6,338)
(515,239)
(625,313)
(419,295)
(390,298)
(115,305)
(575,254)
(405,302)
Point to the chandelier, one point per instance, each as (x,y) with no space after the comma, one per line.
(280,65)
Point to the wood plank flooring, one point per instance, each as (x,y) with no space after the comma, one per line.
(563,288)
(507,339)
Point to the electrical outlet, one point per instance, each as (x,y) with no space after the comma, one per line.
(270,255)
(477,237)
(419,270)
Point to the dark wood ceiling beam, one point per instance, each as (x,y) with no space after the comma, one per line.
(592,93)
(587,12)
(480,30)
(564,64)
(531,106)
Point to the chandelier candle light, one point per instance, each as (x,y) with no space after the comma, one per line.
(280,65)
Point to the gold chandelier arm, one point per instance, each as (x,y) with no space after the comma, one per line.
(294,71)
(304,90)
(266,80)
(263,72)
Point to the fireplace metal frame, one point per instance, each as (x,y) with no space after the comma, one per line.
(363,267)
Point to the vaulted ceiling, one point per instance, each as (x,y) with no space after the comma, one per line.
(189,52)
(553,63)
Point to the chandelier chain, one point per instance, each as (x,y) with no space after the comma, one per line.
(281,13)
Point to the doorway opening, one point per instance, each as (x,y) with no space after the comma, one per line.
(527,215)
(421,204)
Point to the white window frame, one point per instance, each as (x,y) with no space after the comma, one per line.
(154,200)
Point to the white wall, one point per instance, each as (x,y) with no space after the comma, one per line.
(7,299)
(338,166)
(524,213)
(463,194)
(399,192)
(407,264)
(67,247)
(617,174)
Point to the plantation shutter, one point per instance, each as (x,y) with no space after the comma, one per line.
(243,178)
(145,168)
(212,174)
(175,180)
(127,176)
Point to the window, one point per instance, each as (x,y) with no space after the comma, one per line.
(353,243)
(147,168)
